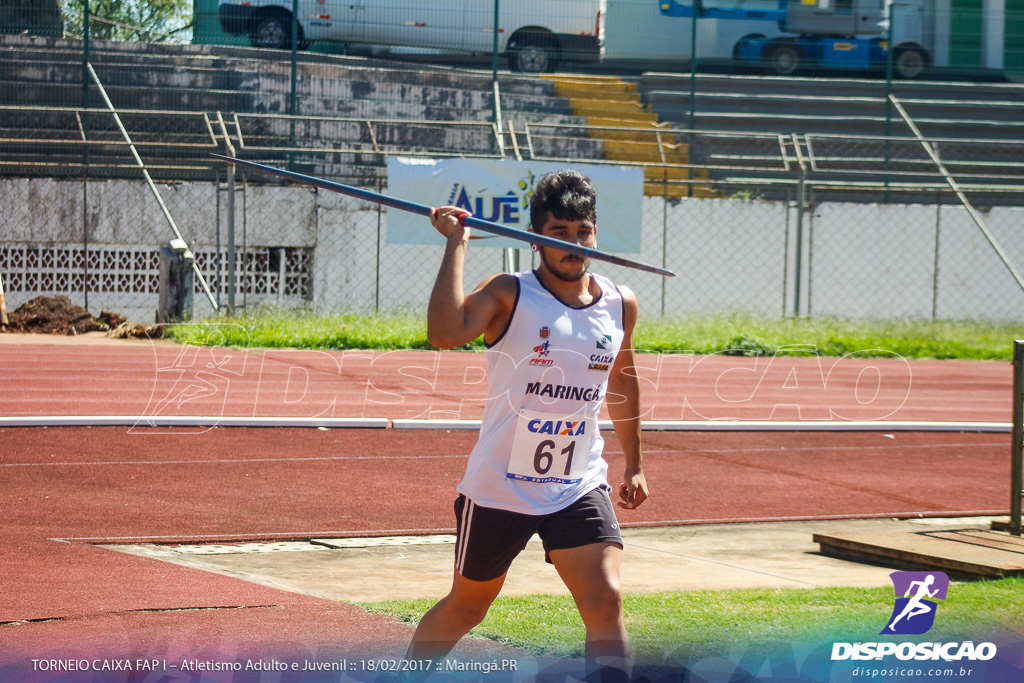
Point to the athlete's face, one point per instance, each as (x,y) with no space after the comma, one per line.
(562,264)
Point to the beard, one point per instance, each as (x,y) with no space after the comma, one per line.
(555,267)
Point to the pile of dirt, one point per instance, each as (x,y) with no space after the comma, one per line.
(52,315)
(60,315)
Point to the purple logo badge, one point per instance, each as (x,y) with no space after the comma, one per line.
(917,594)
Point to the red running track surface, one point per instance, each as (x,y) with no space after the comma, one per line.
(164,379)
(71,488)
(68,489)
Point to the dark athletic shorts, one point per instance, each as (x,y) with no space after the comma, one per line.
(487,539)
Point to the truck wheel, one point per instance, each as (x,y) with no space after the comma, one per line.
(533,54)
(909,62)
(273,31)
(784,59)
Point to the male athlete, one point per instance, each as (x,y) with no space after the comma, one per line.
(559,339)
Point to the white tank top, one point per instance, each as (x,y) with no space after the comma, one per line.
(540,448)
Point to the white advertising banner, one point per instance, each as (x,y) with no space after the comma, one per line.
(500,192)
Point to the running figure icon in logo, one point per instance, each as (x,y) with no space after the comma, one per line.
(916,608)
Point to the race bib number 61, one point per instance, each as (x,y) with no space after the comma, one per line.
(547,449)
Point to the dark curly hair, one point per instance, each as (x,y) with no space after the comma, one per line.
(566,195)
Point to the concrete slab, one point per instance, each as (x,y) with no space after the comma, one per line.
(684,558)
(968,552)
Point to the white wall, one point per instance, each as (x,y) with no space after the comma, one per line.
(857,260)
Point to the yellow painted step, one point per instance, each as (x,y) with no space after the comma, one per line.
(591,81)
(682,190)
(631,133)
(661,181)
(599,95)
(613,122)
(601,104)
(627,135)
(608,129)
(648,152)
(636,117)
(656,173)
(597,88)
(598,91)
(640,157)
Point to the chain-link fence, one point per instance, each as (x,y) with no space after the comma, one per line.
(98,241)
(778,197)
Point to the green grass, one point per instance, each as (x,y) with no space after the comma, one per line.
(685,626)
(735,334)
(295,329)
(758,336)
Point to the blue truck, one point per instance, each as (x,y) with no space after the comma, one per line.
(846,34)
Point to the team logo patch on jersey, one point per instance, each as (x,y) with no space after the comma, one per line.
(545,332)
(542,351)
(604,342)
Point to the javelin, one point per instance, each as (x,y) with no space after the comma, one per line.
(469,221)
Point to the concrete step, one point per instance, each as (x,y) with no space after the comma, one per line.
(629,134)
(631,118)
(766,104)
(598,95)
(626,106)
(234,58)
(680,190)
(594,88)
(840,106)
(614,113)
(849,87)
(196,67)
(655,173)
(632,130)
(845,125)
(777,104)
(614,82)
(202,78)
(361,85)
(962,553)
(668,181)
(554,146)
(646,152)
(434,105)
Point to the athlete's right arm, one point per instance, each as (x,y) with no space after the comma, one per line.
(454,319)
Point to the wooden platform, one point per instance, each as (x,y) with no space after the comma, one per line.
(961,553)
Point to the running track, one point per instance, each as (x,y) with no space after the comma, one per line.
(160,379)
(66,489)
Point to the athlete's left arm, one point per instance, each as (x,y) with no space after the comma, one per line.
(623,402)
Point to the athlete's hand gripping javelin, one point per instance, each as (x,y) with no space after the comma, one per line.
(448,219)
(454,319)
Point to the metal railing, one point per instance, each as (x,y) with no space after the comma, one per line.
(50,141)
(254,133)
(730,157)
